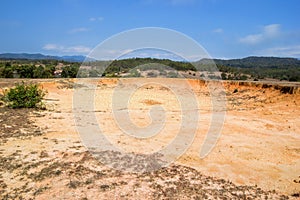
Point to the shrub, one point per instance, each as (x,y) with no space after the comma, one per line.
(24,96)
(172,74)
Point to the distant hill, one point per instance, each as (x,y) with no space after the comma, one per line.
(257,67)
(27,56)
(253,61)
(38,56)
(250,68)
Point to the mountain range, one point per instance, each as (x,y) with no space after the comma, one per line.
(38,56)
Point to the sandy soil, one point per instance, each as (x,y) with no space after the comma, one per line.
(256,156)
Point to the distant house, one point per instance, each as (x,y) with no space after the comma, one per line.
(16,74)
(57,73)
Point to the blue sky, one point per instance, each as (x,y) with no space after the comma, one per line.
(225,28)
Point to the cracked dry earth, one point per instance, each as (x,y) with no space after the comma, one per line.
(256,157)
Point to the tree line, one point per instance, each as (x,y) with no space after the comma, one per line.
(37,69)
(253,68)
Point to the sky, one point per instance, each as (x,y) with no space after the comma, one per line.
(224,28)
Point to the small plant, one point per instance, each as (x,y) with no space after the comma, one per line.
(172,74)
(24,96)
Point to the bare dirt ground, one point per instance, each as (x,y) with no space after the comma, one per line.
(256,157)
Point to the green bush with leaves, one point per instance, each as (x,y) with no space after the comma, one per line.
(25,96)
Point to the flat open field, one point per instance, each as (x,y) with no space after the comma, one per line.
(256,156)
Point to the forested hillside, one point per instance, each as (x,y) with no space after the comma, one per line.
(263,67)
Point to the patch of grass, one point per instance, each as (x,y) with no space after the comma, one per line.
(74,184)
(54,169)
(104,187)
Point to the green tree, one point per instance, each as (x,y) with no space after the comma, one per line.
(38,72)
(8,72)
(70,71)
(223,76)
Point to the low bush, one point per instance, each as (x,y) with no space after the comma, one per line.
(24,96)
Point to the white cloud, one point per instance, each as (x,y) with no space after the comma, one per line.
(287,51)
(93,19)
(78,49)
(64,49)
(218,30)
(272,30)
(77,30)
(252,39)
(51,47)
(269,32)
